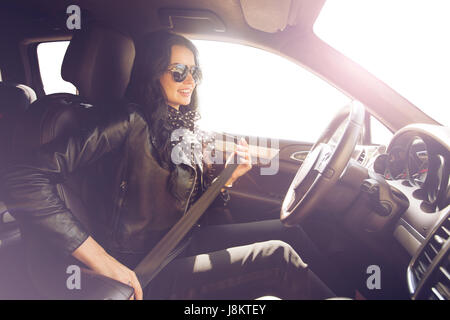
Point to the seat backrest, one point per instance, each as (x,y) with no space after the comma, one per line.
(14,101)
(98,62)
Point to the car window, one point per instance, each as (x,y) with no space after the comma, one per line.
(244,91)
(379,133)
(249,91)
(50,57)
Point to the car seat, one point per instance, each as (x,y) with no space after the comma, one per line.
(98,62)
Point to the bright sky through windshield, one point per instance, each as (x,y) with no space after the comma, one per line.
(253,92)
(405,43)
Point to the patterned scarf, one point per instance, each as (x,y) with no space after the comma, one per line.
(190,137)
(182,118)
(194,141)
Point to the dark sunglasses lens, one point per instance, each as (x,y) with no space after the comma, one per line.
(177,76)
(179,72)
(196,74)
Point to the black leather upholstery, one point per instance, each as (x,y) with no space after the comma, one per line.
(98,62)
(53,116)
(14,101)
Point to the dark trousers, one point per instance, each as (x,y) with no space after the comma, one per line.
(233,261)
(243,261)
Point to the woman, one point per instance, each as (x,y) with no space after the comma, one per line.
(155,183)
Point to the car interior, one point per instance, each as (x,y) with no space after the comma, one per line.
(371,205)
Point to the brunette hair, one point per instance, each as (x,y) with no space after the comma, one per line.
(153,53)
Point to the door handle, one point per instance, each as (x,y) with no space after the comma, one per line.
(299,155)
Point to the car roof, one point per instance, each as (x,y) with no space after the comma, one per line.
(140,16)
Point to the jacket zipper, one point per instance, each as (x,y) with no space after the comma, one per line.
(122,192)
(123,189)
(192,190)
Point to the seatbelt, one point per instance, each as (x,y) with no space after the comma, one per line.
(162,253)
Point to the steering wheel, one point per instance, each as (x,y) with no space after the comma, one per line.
(323,166)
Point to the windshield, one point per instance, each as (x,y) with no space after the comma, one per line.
(404,43)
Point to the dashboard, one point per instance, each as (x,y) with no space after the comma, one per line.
(417,164)
(418,157)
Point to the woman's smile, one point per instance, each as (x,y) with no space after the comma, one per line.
(186,93)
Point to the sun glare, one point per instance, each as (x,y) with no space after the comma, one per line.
(405,43)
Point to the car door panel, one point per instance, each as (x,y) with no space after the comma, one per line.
(256,195)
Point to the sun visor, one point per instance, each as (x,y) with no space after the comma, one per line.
(270,15)
(190,20)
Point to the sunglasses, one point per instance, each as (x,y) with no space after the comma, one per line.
(180,72)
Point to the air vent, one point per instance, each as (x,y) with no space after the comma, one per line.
(428,272)
(441,289)
(430,251)
(362,156)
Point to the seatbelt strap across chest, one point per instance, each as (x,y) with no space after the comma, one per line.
(159,256)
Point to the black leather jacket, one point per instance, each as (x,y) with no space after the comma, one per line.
(132,204)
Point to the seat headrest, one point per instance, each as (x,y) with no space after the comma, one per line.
(15,97)
(98,63)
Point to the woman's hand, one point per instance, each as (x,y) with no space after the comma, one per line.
(98,260)
(244,161)
(112,268)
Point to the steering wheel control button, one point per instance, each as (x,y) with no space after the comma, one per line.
(328,173)
(371,186)
(384,209)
